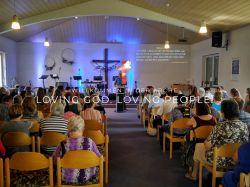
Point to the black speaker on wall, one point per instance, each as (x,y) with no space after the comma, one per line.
(217,39)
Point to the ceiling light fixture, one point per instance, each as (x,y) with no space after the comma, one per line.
(167,45)
(203,28)
(46,42)
(15,21)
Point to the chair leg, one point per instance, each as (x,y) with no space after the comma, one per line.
(106,172)
(171,149)
(200,174)
(164,142)
(158,133)
(213,180)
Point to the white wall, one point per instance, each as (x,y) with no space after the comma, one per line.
(9,48)
(238,48)
(31,61)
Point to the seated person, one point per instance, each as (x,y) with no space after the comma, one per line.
(178,112)
(30,109)
(90,113)
(202,117)
(72,103)
(76,141)
(15,125)
(231,130)
(217,101)
(97,105)
(55,123)
(2,150)
(244,116)
(5,104)
(231,178)
(42,102)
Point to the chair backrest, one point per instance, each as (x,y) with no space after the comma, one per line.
(179,124)
(50,139)
(35,126)
(15,139)
(93,125)
(96,136)
(154,111)
(226,150)
(80,159)
(165,117)
(244,179)
(1,172)
(28,161)
(201,132)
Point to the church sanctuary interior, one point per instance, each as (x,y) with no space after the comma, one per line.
(125,93)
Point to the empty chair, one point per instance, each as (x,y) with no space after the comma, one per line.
(28,161)
(80,159)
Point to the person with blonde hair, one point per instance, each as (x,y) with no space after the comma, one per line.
(76,141)
(89,112)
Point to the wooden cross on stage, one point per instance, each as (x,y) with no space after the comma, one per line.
(106,63)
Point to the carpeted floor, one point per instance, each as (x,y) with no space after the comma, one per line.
(136,159)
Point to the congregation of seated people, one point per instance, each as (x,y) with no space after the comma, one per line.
(226,116)
(34,115)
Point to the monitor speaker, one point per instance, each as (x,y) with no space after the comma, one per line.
(217,39)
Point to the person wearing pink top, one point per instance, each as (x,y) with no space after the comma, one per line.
(89,113)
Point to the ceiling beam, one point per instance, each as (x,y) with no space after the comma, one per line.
(101,7)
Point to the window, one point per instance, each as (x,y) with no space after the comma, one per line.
(2,69)
(211,65)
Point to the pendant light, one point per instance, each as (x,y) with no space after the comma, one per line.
(46,42)
(167,45)
(15,21)
(203,28)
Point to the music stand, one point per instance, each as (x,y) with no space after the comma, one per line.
(54,76)
(43,77)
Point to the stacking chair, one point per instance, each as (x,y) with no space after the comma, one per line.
(80,159)
(226,150)
(35,126)
(50,139)
(201,132)
(244,179)
(16,139)
(145,116)
(100,140)
(178,124)
(164,117)
(94,126)
(28,161)
(105,123)
(1,172)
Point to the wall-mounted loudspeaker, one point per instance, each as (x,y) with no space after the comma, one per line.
(217,39)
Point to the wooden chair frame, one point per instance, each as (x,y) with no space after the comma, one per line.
(105,123)
(226,150)
(28,161)
(94,125)
(164,117)
(102,140)
(1,173)
(72,159)
(244,179)
(15,139)
(51,139)
(178,124)
(201,132)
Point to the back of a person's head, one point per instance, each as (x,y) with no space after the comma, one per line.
(76,124)
(40,94)
(17,99)
(6,98)
(240,102)
(217,96)
(234,92)
(202,107)
(230,109)
(15,111)
(181,99)
(207,89)
(57,109)
(29,105)
(61,88)
(88,102)
(201,92)
(248,91)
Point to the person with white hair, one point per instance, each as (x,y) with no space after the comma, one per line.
(55,123)
(76,141)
